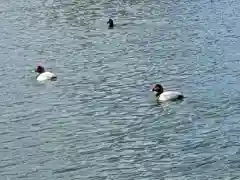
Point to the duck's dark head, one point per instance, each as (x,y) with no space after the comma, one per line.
(110,22)
(158,89)
(40,69)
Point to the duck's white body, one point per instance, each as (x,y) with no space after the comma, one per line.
(170,96)
(46,76)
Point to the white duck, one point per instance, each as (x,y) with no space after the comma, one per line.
(167,95)
(43,75)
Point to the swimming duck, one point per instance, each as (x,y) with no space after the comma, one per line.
(110,22)
(43,75)
(167,95)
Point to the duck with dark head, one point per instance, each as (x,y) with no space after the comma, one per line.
(43,75)
(110,24)
(166,95)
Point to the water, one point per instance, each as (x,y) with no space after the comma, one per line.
(99,121)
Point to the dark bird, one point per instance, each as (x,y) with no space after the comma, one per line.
(110,22)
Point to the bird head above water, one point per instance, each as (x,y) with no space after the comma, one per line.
(110,22)
(158,89)
(40,69)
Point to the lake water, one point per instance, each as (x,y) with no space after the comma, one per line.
(99,121)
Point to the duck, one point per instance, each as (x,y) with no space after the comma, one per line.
(43,75)
(166,95)
(111,24)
